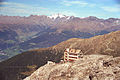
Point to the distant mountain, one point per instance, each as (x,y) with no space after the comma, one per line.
(58,16)
(24,64)
(19,34)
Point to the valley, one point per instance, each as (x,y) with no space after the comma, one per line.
(20,34)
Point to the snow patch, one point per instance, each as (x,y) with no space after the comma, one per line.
(57,16)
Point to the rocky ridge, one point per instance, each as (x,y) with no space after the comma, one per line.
(90,67)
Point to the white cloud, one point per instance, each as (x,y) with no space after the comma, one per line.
(111,9)
(69,3)
(80,3)
(19,5)
(67,12)
(3,3)
(21,9)
(15,9)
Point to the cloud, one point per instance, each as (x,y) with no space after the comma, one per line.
(19,5)
(11,8)
(111,9)
(69,3)
(18,9)
(80,3)
(67,12)
(1,2)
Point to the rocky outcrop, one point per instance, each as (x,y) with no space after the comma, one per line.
(90,67)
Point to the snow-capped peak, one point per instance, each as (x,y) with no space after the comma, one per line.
(57,16)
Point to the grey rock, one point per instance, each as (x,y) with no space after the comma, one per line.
(90,67)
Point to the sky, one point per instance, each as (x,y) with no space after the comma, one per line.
(78,8)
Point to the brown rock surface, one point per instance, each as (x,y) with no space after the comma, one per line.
(90,67)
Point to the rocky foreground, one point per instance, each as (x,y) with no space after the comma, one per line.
(90,67)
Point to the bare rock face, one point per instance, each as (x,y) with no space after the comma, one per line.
(90,67)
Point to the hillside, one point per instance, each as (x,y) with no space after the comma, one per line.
(45,31)
(24,64)
(90,67)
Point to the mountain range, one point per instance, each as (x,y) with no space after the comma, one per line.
(22,65)
(19,34)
